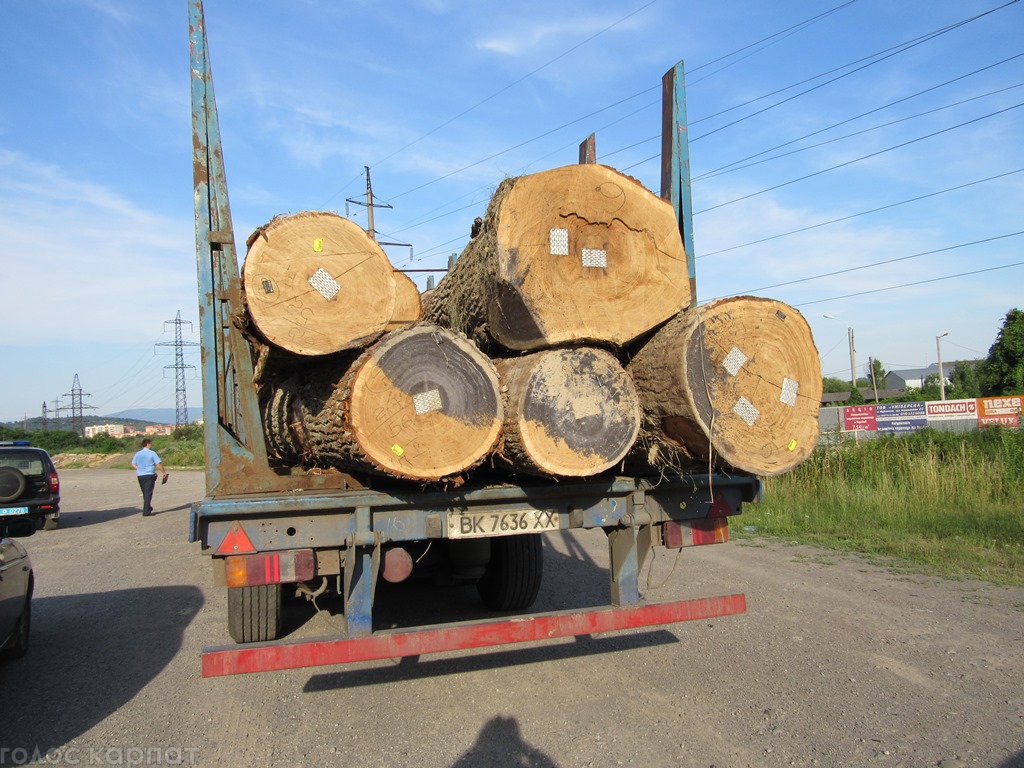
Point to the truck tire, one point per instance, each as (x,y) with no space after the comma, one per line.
(512,579)
(254,613)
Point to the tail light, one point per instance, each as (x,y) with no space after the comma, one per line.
(54,483)
(270,568)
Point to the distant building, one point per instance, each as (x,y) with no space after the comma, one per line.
(159,429)
(914,377)
(114,430)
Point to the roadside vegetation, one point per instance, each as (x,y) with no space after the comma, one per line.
(939,502)
(181,449)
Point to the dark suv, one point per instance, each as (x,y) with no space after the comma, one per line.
(28,483)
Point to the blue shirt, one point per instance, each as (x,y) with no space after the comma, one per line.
(145,462)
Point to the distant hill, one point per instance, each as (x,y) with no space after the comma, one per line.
(154,415)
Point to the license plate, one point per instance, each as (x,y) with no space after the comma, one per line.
(14,511)
(470,525)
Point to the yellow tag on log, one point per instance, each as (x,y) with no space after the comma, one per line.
(792,445)
(397,450)
(318,245)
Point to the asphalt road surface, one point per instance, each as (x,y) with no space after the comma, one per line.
(836,663)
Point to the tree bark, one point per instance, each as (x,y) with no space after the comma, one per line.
(420,404)
(315,283)
(568,412)
(580,254)
(734,384)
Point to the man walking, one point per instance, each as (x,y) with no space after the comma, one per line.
(147,463)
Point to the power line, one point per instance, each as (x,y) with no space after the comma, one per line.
(509,86)
(592,114)
(909,285)
(877,264)
(862,213)
(862,114)
(732,167)
(858,159)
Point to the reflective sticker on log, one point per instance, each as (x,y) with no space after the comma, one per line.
(426,402)
(318,245)
(595,257)
(746,411)
(398,450)
(268,286)
(325,284)
(789,388)
(734,361)
(559,239)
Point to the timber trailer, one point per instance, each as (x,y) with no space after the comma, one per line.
(269,527)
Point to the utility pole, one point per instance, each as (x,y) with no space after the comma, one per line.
(77,406)
(370,204)
(942,378)
(180,399)
(45,417)
(853,361)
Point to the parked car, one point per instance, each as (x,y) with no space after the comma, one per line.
(16,584)
(29,484)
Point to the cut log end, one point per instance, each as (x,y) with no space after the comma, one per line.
(737,381)
(315,283)
(569,412)
(425,404)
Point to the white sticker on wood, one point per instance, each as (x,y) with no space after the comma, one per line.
(325,284)
(746,411)
(789,390)
(426,402)
(595,257)
(734,361)
(559,239)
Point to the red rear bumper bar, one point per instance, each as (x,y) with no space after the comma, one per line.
(264,657)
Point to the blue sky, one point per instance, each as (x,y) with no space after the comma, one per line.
(443,99)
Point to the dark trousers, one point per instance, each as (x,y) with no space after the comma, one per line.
(147,483)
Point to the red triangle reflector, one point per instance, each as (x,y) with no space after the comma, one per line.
(236,542)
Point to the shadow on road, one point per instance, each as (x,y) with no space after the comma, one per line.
(500,742)
(89,655)
(413,668)
(95,517)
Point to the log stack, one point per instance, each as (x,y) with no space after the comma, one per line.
(559,344)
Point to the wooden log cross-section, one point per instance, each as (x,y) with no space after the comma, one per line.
(735,383)
(568,412)
(316,283)
(422,403)
(571,255)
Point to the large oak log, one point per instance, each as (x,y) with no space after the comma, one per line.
(572,412)
(408,305)
(316,283)
(420,404)
(735,383)
(574,254)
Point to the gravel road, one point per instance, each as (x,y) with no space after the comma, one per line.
(837,662)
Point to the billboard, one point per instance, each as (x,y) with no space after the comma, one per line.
(859,417)
(948,410)
(901,417)
(1002,411)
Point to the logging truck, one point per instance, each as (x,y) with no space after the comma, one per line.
(559,377)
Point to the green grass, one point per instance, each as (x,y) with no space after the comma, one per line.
(948,504)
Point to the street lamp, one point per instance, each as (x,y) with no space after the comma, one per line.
(942,378)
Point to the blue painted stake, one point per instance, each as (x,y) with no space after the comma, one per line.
(675,162)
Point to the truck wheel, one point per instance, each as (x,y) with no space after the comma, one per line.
(254,613)
(12,483)
(512,579)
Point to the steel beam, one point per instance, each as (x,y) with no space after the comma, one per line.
(266,657)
